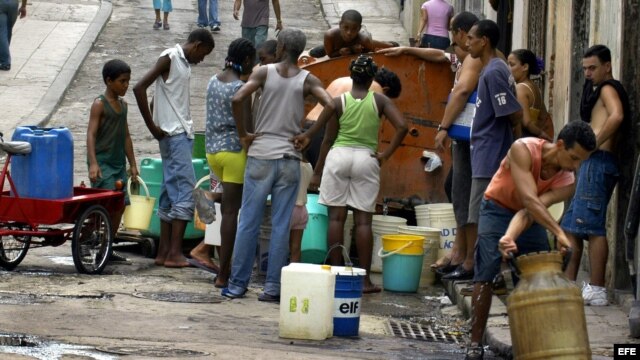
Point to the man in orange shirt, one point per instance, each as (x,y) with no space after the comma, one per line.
(534,175)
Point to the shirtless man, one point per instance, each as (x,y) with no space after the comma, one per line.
(348,39)
(605,106)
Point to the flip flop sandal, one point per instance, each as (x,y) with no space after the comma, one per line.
(202,266)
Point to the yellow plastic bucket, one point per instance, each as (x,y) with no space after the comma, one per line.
(403,244)
(137,215)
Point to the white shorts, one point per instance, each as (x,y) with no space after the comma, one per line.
(351,176)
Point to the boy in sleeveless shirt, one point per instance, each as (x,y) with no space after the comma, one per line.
(109,144)
(172,126)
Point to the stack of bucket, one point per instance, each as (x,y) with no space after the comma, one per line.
(402,258)
(382,225)
(320,301)
(430,246)
(439,216)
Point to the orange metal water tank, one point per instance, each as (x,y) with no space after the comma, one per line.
(425,87)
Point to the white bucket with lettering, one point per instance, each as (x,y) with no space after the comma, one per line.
(382,225)
(431,245)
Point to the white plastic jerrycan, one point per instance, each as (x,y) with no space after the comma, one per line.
(306,301)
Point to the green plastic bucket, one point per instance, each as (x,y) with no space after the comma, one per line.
(314,239)
(401,272)
(199,146)
(151,171)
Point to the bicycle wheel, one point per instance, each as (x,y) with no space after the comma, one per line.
(92,240)
(14,248)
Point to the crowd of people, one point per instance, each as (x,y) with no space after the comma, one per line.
(504,175)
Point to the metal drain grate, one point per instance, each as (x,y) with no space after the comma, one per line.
(415,331)
(184,297)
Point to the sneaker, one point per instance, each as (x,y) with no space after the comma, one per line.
(201,26)
(228,294)
(594,295)
(5,67)
(166,26)
(474,352)
(499,285)
(215,28)
(157,25)
(269,298)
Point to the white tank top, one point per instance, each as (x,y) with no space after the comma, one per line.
(171,111)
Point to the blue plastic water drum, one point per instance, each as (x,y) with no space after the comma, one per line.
(401,272)
(47,172)
(348,300)
(314,239)
(461,127)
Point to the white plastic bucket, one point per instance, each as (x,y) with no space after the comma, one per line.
(431,245)
(137,215)
(212,231)
(382,225)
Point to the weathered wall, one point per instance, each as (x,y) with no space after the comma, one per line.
(411,16)
(630,77)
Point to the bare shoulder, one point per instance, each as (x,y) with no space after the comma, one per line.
(609,91)
(471,64)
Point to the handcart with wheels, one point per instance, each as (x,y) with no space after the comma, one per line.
(31,222)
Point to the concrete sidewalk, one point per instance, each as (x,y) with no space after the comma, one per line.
(50,44)
(47,48)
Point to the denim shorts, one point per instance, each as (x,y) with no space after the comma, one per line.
(179,179)
(494,221)
(587,213)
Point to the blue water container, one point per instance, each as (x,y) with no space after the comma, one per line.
(47,172)
(461,127)
(348,300)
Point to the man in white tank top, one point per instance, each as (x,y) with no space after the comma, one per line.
(172,126)
(273,164)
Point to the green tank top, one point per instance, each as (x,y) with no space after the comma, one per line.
(110,138)
(359,123)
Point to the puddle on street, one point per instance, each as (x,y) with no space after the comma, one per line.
(39,349)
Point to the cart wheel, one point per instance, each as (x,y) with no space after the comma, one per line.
(92,240)
(149,248)
(14,248)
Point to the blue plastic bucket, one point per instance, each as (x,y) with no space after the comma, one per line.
(401,272)
(348,300)
(46,172)
(314,239)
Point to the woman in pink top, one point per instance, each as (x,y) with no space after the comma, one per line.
(434,24)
